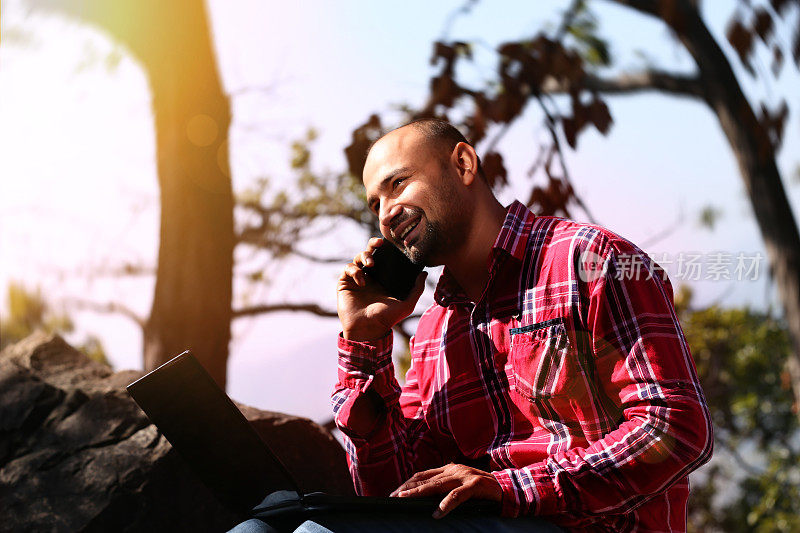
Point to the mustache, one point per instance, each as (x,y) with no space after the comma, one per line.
(408,213)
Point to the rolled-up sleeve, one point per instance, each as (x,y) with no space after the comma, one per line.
(398,441)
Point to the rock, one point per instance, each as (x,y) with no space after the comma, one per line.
(77,454)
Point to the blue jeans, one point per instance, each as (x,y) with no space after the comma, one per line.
(403,523)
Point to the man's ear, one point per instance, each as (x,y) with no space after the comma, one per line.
(466,161)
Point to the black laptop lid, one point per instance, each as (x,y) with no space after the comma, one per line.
(210,432)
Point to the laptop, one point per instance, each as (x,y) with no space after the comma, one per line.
(227,454)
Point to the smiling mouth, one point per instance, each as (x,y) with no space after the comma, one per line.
(400,237)
(408,230)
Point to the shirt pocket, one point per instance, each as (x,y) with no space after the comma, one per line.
(542,360)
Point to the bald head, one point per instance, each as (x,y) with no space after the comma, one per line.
(439,136)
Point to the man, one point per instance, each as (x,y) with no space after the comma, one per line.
(546,375)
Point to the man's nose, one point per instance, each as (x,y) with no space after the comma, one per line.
(388,213)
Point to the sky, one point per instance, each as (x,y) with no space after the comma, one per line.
(78,190)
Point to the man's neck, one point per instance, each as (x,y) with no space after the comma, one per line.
(469,267)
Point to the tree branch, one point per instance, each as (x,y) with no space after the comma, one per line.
(648,7)
(124,269)
(664,233)
(312,308)
(626,83)
(451,18)
(318,259)
(108,307)
(569,17)
(248,89)
(244,235)
(551,127)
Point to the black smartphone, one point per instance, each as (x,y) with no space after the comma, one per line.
(393,270)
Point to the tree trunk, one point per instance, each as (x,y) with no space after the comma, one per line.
(754,153)
(192,301)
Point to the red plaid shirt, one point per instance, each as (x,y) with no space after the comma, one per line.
(573,386)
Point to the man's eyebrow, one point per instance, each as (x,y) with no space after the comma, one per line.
(389,177)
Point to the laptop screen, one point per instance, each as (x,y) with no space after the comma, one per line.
(209,432)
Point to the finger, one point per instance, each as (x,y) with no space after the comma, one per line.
(454,498)
(416,478)
(364,258)
(354,272)
(374,243)
(440,484)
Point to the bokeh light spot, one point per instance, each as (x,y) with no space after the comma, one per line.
(202,130)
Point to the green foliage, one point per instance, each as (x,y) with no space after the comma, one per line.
(741,359)
(709,216)
(28,311)
(583,28)
(279,221)
(17,35)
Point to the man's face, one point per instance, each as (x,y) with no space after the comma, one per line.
(414,192)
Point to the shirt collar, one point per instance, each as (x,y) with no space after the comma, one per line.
(513,236)
(512,240)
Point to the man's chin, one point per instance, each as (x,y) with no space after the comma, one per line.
(414,254)
(420,257)
(423,249)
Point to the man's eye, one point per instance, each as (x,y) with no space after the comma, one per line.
(396,183)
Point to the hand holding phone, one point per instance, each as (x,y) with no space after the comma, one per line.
(393,270)
(378,289)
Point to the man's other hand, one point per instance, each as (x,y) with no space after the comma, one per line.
(458,482)
(365,310)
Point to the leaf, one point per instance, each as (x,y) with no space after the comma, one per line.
(600,115)
(495,170)
(597,52)
(20,36)
(463,49)
(362,139)
(593,48)
(511,50)
(444,90)
(777,60)
(508,104)
(477,123)
(796,44)
(762,24)
(709,216)
(742,41)
(780,6)
(774,123)
(442,51)
(570,131)
(538,202)
(300,155)
(112,60)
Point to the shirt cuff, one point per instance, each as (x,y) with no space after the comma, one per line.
(528,490)
(368,357)
(363,366)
